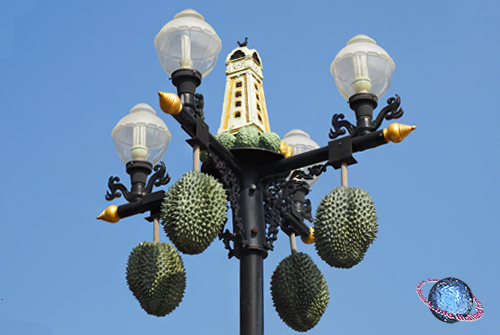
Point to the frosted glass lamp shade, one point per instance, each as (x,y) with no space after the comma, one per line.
(301,142)
(362,67)
(141,135)
(188,42)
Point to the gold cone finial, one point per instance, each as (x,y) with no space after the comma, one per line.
(397,132)
(110,214)
(310,238)
(170,103)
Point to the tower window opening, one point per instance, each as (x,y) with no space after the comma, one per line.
(238,54)
(237,115)
(257,96)
(238,94)
(239,84)
(256,87)
(259,116)
(258,107)
(256,58)
(238,104)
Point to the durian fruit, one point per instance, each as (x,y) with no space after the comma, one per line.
(344,226)
(299,291)
(270,141)
(247,137)
(156,277)
(194,212)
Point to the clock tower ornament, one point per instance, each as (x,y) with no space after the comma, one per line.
(244,101)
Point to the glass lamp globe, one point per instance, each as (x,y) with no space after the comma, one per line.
(188,42)
(301,142)
(362,67)
(141,136)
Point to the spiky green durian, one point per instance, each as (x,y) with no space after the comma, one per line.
(247,137)
(344,226)
(299,292)
(155,275)
(226,139)
(194,212)
(270,141)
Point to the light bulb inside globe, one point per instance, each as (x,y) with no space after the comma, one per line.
(139,151)
(186,62)
(362,82)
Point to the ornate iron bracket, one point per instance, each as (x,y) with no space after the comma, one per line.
(280,210)
(312,171)
(159,178)
(199,105)
(220,170)
(389,112)
(117,189)
(338,123)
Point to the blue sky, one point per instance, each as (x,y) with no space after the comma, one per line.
(70,70)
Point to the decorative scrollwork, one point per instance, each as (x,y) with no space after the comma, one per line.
(312,171)
(160,178)
(115,187)
(389,112)
(274,206)
(338,123)
(230,181)
(199,104)
(278,206)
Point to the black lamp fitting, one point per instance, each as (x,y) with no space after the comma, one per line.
(363,105)
(139,172)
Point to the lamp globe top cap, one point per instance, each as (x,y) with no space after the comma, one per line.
(142,113)
(188,18)
(363,44)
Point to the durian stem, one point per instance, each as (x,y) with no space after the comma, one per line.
(343,174)
(293,244)
(156,229)
(196,158)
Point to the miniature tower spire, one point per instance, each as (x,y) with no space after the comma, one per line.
(244,102)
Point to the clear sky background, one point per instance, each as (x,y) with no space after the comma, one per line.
(70,70)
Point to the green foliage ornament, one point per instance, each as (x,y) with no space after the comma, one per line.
(155,275)
(226,139)
(299,292)
(247,137)
(194,211)
(270,141)
(344,226)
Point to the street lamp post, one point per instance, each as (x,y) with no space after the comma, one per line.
(265,189)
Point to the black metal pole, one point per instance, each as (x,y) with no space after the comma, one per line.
(251,293)
(251,252)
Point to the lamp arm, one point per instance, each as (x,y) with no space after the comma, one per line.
(326,153)
(389,112)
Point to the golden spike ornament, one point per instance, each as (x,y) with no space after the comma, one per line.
(397,132)
(110,214)
(170,103)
